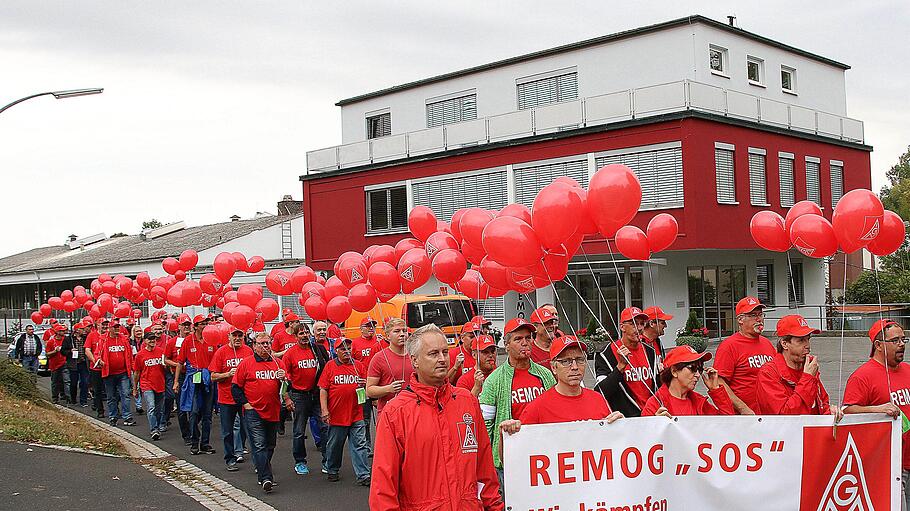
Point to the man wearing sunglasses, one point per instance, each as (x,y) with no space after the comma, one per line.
(626,368)
(882,385)
(741,356)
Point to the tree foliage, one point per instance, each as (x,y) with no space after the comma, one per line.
(151,224)
(893,285)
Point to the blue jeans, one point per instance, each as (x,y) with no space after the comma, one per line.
(30,363)
(117,387)
(227,415)
(306,406)
(263,436)
(200,417)
(239,433)
(79,375)
(358,447)
(154,409)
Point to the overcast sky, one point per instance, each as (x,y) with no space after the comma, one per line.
(209,107)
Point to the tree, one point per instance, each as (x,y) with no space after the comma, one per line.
(893,286)
(896,197)
(151,224)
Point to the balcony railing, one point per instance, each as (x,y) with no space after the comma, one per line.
(591,111)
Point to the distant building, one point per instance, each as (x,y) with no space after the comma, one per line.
(717,122)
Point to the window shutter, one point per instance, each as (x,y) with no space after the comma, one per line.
(795,283)
(448,195)
(492,309)
(449,111)
(785,167)
(387,209)
(660,173)
(758,191)
(764,283)
(812,186)
(530,180)
(726,180)
(548,90)
(837,183)
(379,125)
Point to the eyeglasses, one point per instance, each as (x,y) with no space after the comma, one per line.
(568,362)
(754,315)
(896,340)
(264,343)
(695,367)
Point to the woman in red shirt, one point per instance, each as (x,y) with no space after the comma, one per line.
(676,395)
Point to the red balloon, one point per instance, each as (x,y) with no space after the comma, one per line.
(471,284)
(632,243)
(890,237)
(180,275)
(122,310)
(210,284)
(471,226)
(413,270)
(242,317)
(312,289)
(813,236)
(240,262)
(556,214)
(474,254)
(174,296)
(104,277)
(662,232)
(66,295)
(511,242)
(249,295)
(228,309)
(334,287)
(46,310)
(439,241)
(255,265)
(70,306)
(301,276)
(211,334)
(188,259)
(614,196)
(805,207)
(519,211)
(352,271)
(109,287)
(383,278)
(56,302)
(37,318)
(494,274)
(768,231)
(385,297)
(88,305)
(143,280)
(362,297)
(268,309)
(170,265)
(315,308)
(857,219)
(449,266)
(95,313)
(279,282)
(230,296)
(384,253)
(556,266)
(320,279)
(404,245)
(422,222)
(455,224)
(224,266)
(338,310)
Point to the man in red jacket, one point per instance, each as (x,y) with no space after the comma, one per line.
(449,466)
(790,383)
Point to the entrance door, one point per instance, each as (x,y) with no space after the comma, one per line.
(713,293)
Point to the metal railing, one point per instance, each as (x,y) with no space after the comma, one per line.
(591,111)
(832,317)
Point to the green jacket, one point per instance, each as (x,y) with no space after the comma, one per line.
(496,399)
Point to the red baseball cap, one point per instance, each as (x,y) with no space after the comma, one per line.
(747,305)
(542,315)
(340,340)
(560,344)
(183,318)
(333,332)
(518,323)
(630,313)
(482,342)
(685,354)
(655,312)
(367,320)
(199,318)
(59,328)
(480,320)
(795,325)
(285,311)
(88,320)
(879,327)
(290,316)
(470,327)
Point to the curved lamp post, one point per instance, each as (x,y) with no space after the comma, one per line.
(60,94)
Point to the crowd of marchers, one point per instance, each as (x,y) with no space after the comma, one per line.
(440,410)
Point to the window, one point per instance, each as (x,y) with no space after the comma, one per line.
(813,193)
(764,282)
(837,181)
(387,210)
(718,60)
(445,196)
(379,125)
(452,110)
(530,179)
(755,70)
(543,91)
(785,170)
(788,79)
(659,170)
(725,173)
(795,284)
(713,293)
(758,190)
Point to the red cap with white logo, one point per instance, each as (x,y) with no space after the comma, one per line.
(794,325)
(630,313)
(482,342)
(560,344)
(542,315)
(518,323)
(747,305)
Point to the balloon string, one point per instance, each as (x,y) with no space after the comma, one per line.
(600,292)
(843,326)
(881,317)
(651,281)
(565,315)
(792,282)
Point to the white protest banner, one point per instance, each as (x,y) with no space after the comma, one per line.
(757,463)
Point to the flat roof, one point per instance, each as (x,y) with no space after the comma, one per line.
(593,42)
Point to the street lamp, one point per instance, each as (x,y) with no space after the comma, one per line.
(60,94)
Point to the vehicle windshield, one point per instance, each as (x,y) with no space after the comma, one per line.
(441,313)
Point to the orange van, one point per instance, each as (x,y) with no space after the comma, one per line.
(449,312)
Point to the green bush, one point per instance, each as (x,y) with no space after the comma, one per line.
(699,344)
(17,382)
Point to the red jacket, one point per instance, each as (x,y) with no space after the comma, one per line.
(441,430)
(786,391)
(722,404)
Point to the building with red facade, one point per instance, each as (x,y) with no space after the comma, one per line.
(717,122)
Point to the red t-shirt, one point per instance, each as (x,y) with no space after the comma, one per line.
(738,360)
(198,353)
(150,366)
(341,382)
(225,359)
(466,381)
(277,327)
(365,349)
(656,344)
(638,374)
(57,360)
(91,343)
(260,383)
(389,367)
(525,388)
(552,407)
(302,366)
(469,361)
(117,357)
(282,340)
(172,349)
(540,356)
(868,386)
